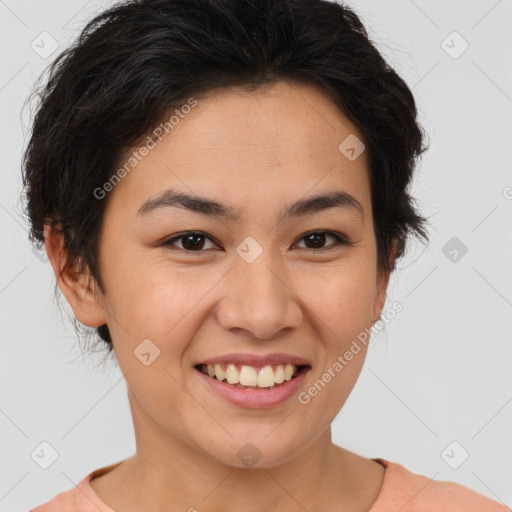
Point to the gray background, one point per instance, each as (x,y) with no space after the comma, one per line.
(441,370)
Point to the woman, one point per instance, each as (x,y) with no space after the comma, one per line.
(221,188)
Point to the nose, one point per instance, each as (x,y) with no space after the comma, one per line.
(258,300)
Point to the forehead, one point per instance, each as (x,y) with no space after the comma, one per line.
(273,144)
(285,119)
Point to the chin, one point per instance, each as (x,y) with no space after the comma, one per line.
(256,451)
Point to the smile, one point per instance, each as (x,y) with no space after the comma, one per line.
(252,377)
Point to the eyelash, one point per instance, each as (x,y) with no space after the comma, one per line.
(340,240)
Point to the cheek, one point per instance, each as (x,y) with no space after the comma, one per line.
(149,299)
(343,298)
(344,306)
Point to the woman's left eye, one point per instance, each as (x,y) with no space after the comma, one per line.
(192,241)
(318,237)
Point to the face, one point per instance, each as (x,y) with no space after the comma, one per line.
(259,286)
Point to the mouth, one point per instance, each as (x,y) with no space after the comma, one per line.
(270,376)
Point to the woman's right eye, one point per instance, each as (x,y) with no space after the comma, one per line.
(191,241)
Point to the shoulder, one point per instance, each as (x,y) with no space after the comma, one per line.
(80,498)
(65,501)
(410,492)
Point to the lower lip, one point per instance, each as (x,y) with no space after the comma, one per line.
(255,398)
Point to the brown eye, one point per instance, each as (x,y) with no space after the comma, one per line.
(317,239)
(190,241)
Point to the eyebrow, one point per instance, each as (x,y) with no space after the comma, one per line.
(209,207)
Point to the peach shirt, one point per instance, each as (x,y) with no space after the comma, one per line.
(402,491)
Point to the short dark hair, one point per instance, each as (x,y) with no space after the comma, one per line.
(138,60)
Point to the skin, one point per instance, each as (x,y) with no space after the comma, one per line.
(257,152)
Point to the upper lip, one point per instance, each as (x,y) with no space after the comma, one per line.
(256,359)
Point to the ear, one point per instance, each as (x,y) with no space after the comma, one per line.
(75,286)
(382,283)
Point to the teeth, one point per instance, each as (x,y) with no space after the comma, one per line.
(288,371)
(266,377)
(219,372)
(248,376)
(279,375)
(232,375)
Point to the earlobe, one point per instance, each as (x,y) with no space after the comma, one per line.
(382,283)
(380,294)
(74,285)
